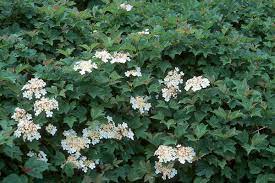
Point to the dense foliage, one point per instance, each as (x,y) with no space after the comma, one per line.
(230,124)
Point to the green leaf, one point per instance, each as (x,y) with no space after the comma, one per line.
(265,178)
(7,76)
(200,130)
(97,112)
(258,140)
(154,88)
(35,168)
(169,123)
(137,171)
(115,76)
(69,169)
(234,115)
(59,158)
(13,152)
(220,112)
(181,129)
(158,116)
(13,178)
(200,180)
(143,80)
(70,120)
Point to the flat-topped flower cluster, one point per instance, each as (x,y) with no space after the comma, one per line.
(84,66)
(116,57)
(25,126)
(34,88)
(140,103)
(171,84)
(73,143)
(173,80)
(81,162)
(167,156)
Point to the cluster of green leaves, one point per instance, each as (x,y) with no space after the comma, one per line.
(230,124)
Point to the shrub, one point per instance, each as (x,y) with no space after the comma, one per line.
(121,93)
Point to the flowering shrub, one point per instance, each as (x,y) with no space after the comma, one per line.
(137,91)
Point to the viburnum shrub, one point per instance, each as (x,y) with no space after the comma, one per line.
(137,91)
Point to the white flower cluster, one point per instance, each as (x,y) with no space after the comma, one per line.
(25,127)
(171,82)
(196,83)
(167,171)
(34,87)
(21,114)
(126,7)
(145,32)
(28,130)
(167,154)
(185,154)
(73,143)
(81,162)
(94,135)
(108,131)
(45,104)
(117,57)
(134,72)
(103,55)
(120,57)
(40,156)
(84,66)
(51,129)
(140,103)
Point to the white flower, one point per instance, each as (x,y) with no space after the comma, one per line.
(45,104)
(172,82)
(40,156)
(28,130)
(85,66)
(135,72)
(167,171)
(145,32)
(166,153)
(70,132)
(94,135)
(51,129)
(81,162)
(196,83)
(126,7)
(34,87)
(109,119)
(185,154)
(31,154)
(107,131)
(173,78)
(104,55)
(122,130)
(171,92)
(20,114)
(72,143)
(119,57)
(111,131)
(140,103)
